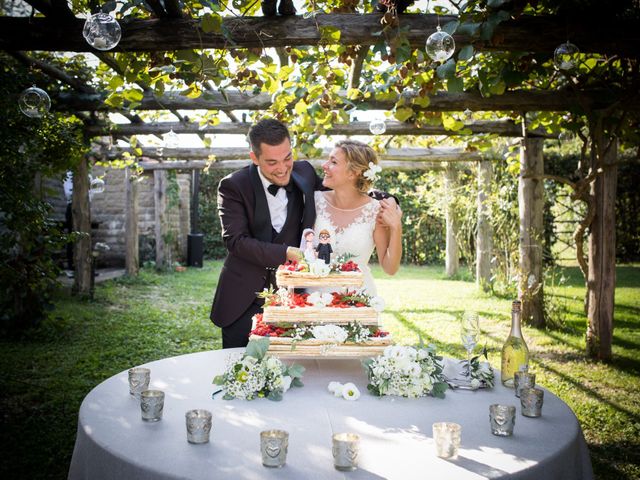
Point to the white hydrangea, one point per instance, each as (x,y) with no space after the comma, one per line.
(329,333)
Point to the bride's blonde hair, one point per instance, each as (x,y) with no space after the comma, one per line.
(358,156)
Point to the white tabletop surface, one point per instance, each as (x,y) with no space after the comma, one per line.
(396,441)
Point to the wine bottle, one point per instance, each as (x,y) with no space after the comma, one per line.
(515,354)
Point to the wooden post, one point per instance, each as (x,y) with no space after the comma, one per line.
(452,258)
(484,241)
(81,212)
(531,206)
(132,259)
(160,204)
(601,280)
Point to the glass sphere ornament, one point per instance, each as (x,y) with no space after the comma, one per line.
(377,126)
(440,45)
(566,56)
(171,139)
(34,102)
(102,31)
(96,186)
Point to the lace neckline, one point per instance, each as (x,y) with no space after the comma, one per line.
(324,196)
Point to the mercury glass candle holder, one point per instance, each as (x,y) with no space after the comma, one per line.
(346,447)
(502,419)
(152,405)
(531,400)
(198,426)
(139,378)
(447,438)
(523,380)
(273,446)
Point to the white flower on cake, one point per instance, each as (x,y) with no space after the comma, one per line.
(350,392)
(377,303)
(319,267)
(320,299)
(330,333)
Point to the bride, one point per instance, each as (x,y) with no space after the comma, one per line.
(356,222)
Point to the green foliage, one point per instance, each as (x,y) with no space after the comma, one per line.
(30,150)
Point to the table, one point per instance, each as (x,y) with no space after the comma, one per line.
(114,443)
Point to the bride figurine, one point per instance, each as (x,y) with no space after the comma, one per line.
(307,245)
(358,222)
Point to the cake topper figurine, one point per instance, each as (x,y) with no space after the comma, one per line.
(307,245)
(324,247)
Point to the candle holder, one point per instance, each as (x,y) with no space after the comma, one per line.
(152,405)
(502,419)
(447,438)
(523,380)
(198,426)
(531,400)
(139,378)
(345,451)
(273,446)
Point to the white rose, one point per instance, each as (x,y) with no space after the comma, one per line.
(475,383)
(350,392)
(286,383)
(333,386)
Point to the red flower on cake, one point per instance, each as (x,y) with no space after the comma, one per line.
(349,266)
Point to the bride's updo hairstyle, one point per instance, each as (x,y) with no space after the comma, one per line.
(358,156)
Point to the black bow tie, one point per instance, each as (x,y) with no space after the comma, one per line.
(273,188)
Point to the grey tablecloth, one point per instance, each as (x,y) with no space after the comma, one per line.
(114,443)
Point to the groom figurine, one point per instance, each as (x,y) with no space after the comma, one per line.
(263,208)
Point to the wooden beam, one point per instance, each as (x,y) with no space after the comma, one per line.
(132,253)
(435,154)
(531,208)
(521,35)
(518,100)
(502,128)
(53,72)
(484,241)
(150,165)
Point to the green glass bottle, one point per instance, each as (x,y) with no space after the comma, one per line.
(515,354)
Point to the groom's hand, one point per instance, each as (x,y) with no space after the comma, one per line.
(294,253)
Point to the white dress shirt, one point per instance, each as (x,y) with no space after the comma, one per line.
(277,204)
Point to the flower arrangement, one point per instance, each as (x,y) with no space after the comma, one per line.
(255,374)
(407,372)
(482,374)
(372,172)
(346,299)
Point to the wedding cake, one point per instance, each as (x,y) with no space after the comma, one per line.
(337,319)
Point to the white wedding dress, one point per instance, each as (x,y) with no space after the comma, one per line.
(351,232)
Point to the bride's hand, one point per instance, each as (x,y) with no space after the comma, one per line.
(390,214)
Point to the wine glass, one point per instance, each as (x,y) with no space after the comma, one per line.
(469,332)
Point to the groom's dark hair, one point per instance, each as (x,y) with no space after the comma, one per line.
(269,131)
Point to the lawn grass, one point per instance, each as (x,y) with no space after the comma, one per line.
(48,371)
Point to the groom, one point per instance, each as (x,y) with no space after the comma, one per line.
(263,208)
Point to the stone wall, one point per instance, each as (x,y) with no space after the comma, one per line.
(108,210)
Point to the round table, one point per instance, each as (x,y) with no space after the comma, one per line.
(395,433)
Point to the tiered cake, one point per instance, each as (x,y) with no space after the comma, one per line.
(343,323)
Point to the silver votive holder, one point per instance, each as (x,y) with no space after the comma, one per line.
(447,438)
(502,419)
(346,447)
(139,378)
(151,405)
(523,380)
(198,425)
(273,446)
(531,400)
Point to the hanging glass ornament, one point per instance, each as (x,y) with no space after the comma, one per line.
(171,139)
(96,186)
(440,45)
(102,31)
(34,102)
(377,126)
(468,114)
(566,56)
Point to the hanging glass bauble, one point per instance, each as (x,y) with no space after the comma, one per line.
(566,56)
(377,126)
(102,31)
(34,102)
(468,113)
(171,139)
(96,186)
(440,45)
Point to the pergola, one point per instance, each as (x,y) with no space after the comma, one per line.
(173,29)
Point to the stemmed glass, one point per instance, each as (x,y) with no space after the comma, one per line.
(469,333)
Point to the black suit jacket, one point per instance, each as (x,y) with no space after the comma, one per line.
(248,236)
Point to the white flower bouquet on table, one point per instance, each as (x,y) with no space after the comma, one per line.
(481,372)
(407,372)
(255,374)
